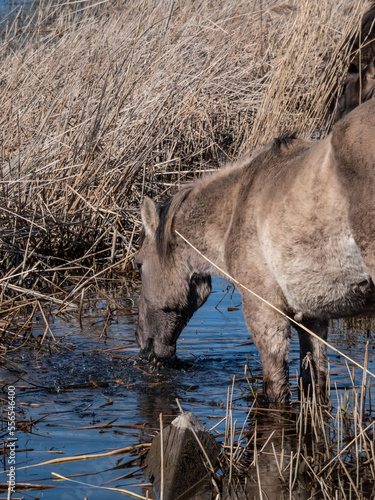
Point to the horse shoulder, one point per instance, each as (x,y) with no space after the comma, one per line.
(354,151)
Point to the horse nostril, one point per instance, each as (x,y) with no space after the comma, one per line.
(148,351)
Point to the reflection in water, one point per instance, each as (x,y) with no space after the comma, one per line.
(276,442)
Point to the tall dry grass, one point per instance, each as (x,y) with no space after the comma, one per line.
(104,101)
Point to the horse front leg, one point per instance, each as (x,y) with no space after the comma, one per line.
(313,357)
(270,332)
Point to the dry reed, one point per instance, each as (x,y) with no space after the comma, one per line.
(105,101)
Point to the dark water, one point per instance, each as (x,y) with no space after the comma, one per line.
(68,404)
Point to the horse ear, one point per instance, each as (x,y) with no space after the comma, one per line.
(150,216)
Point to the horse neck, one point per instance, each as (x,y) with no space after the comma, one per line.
(205,217)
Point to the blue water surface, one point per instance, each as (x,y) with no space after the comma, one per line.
(94,378)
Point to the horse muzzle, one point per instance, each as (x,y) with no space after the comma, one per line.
(156,351)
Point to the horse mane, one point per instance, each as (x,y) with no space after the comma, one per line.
(283,140)
(167,212)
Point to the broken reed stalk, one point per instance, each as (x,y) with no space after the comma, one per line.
(364,379)
(257,465)
(79,458)
(292,320)
(161,458)
(231,430)
(119,490)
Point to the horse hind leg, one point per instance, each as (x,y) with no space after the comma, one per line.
(313,358)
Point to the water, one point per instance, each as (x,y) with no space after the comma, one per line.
(72,392)
(10,7)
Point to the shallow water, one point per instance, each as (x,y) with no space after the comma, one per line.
(89,383)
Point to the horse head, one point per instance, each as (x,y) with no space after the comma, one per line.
(172,289)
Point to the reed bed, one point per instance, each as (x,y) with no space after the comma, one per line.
(103,102)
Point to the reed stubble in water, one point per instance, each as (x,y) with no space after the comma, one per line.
(307,451)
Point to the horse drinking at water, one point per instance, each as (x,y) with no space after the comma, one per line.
(294,223)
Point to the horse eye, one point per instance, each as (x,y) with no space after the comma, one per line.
(138,266)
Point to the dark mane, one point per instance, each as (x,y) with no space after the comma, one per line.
(167,212)
(283,140)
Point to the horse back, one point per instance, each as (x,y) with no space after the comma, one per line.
(301,212)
